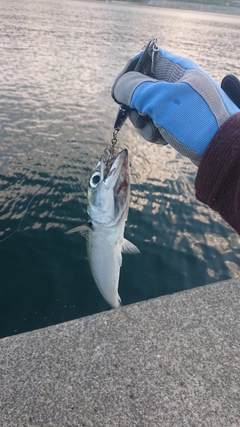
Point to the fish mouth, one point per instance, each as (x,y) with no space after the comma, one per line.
(118,172)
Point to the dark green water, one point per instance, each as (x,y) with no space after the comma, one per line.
(58,61)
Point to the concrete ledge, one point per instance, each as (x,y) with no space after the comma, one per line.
(171,361)
(201,7)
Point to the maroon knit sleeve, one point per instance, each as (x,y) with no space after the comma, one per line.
(218,179)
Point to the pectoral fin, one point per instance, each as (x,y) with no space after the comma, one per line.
(129,248)
(81,229)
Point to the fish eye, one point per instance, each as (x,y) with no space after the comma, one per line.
(95,179)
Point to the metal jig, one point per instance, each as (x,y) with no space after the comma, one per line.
(145,65)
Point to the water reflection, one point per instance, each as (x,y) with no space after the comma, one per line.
(58,62)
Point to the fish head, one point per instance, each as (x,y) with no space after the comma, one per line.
(109,189)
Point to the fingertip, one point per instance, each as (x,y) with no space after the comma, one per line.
(138,120)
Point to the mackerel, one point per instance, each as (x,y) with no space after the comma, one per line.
(108,205)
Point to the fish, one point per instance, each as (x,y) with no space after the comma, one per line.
(107,209)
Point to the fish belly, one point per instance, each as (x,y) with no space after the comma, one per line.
(105,259)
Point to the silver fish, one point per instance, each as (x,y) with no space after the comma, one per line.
(108,204)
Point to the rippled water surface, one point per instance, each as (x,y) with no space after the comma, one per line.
(58,61)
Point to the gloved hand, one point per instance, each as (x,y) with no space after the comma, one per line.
(182,106)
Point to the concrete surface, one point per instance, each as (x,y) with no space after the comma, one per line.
(171,361)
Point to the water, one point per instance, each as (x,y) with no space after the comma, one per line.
(58,61)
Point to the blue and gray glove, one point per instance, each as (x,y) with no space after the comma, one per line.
(182,106)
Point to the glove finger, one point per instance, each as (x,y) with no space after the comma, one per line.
(126,85)
(138,120)
(130,66)
(146,128)
(165,69)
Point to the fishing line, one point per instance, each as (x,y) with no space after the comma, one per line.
(50,178)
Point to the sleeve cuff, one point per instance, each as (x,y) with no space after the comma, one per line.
(217,182)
